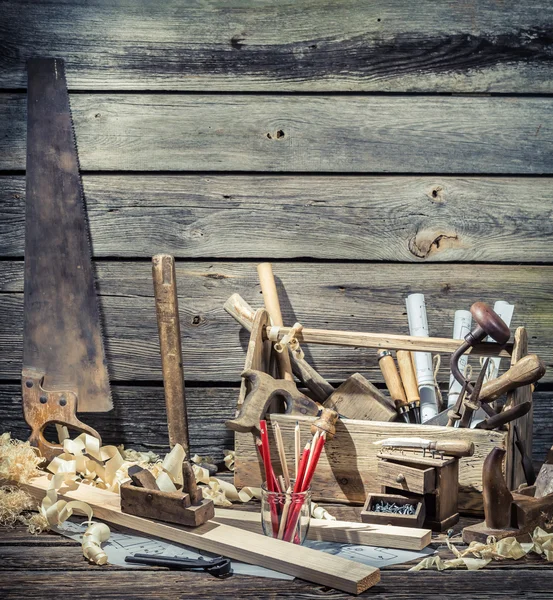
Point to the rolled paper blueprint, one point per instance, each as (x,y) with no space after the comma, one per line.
(461,326)
(418,327)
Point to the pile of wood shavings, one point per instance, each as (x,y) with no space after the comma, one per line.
(478,554)
(15,505)
(19,463)
(18,460)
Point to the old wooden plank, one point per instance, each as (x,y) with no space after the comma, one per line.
(354,134)
(355,297)
(331,45)
(339,217)
(138,421)
(497,583)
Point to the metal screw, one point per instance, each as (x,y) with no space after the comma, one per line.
(63,401)
(43,399)
(29,384)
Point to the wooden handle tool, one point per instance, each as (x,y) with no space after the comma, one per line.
(524,372)
(167,308)
(457,448)
(270,297)
(242,312)
(408,377)
(393,380)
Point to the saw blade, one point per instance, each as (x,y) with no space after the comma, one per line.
(62,334)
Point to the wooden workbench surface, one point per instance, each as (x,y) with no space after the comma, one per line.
(53,566)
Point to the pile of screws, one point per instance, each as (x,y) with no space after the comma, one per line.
(392,507)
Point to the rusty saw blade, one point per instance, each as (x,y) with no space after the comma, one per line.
(62,343)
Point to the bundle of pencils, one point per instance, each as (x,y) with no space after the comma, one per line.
(285,516)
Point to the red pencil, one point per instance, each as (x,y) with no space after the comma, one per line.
(294,515)
(270,479)
(301,469)
(316,455)
(266,456)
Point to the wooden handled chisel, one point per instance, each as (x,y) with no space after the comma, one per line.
(393,383)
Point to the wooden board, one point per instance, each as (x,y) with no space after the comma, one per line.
(353,134)
(380,218)
(353,46)
(347,470)
(406,538)
(360,297)
(313,565)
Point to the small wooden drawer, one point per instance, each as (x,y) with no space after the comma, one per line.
(418,480)
(369,515)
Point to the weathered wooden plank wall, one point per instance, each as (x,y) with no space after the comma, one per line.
(370,150)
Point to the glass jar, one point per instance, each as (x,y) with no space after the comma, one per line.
(286,515)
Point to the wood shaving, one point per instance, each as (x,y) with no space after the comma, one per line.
(477,555)
(18,460)
(13,502)
(92,543)
(229,459)
(318,512)
(14,507)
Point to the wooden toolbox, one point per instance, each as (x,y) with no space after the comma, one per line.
(347,470)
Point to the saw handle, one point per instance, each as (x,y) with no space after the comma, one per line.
(40,408)
(263,389)
(525,371)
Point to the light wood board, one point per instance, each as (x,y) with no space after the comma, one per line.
(312,565)
(338,134)
(386,536)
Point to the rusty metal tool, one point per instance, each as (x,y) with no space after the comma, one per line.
(64,363)
(453,414)
(167,309)
(471,403)
(504,417)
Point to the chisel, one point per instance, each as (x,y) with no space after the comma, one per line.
(393,383)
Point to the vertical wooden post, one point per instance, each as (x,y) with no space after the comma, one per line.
(167,308)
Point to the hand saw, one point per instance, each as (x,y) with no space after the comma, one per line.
(64,364)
